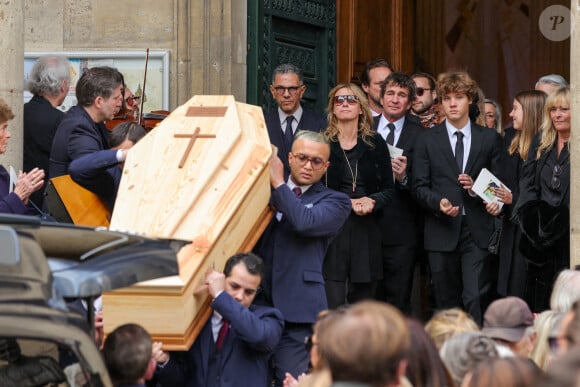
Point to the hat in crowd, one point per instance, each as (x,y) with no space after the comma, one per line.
(507,319)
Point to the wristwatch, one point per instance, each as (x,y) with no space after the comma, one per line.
(405,180)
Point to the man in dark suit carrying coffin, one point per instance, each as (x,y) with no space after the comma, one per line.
(287,89)
(308,216)
(458,224)
(235,345)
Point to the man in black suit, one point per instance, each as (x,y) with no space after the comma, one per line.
(458,224)
(400,219)
(49,83)
(287,89)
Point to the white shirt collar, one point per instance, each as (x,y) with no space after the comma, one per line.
(297,116)
(384,130)
(466,130)
(291,185)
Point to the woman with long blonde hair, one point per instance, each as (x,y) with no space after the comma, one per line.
(360,166)
(527,116)
(545,200)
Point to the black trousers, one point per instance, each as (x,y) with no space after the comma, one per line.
(398,272)
(339,293)
(462,278)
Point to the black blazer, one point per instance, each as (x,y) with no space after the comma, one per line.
(310,121)
(374,168)
(531,173)
(435,175)
(400,219)
(40,122)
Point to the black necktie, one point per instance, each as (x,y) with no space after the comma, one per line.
(391,135)
(288,134)
(459,151)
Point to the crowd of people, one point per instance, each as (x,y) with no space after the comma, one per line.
(382,185)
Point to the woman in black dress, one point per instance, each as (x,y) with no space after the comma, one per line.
(544,197)
(360,166)
(527,115)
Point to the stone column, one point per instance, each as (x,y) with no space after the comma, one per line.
(575,137)
(12,81)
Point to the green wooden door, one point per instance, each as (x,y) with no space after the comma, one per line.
(301,32)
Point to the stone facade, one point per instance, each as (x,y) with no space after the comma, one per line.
(206,40)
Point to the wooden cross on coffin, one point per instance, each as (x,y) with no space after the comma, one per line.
(199,111)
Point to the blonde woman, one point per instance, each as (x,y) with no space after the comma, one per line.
(360,166)
(447,323)
(545,190)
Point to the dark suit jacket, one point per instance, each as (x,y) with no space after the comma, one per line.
(101,171)
(40,123)
(310,121)
(10,203)
(253,335)
(293,249)
(76,136)
(400,219)
(435,175)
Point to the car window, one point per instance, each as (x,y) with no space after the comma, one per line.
(25,362)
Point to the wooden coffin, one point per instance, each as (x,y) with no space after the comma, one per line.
(201,176)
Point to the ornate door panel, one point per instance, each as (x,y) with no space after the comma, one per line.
(301,32)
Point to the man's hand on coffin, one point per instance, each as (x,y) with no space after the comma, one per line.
(276,169)
(215,282)
(158,354)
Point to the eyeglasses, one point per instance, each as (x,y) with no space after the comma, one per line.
(316,162)
(556,172)
(281,90)
(131,99)
(420,90)
(350,99)
(309,343)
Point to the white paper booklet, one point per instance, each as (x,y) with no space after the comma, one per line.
(484,185)
(394,151)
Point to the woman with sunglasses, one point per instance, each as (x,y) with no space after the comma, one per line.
(360,166)
(545,191)
(527,115)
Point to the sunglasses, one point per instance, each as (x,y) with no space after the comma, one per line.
(420,91)
(556,172)
(316,162)
(350,99)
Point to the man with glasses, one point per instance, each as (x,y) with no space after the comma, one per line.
(426,95)
(308,216)
(399,220)
(287,89)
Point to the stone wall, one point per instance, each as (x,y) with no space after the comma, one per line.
(206,38)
